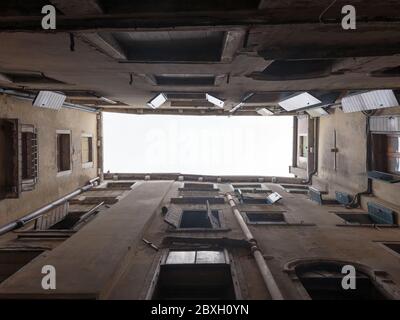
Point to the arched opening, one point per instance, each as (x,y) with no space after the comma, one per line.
(323,281)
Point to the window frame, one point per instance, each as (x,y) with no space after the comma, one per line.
(15,191)
(303,150)
(149,290)
(178,213)
(376,164)
(378,278)
(89,164)
(69,171)
(248,221)
(29,184)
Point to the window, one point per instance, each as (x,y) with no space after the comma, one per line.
(193,219)
(281,70)
(395,247)
(29,77)
(303,146)
(120,185)
(63,151)
(174,6)
(198,200)
(356,218)
(168,46)
(377,214)
(195,257)
(87,150)
(265,217)
(29,157)
(11,260)
(184,80)
(259,198)
(322,281)
(204,274)
(52,217)
(9,180)
(199,219)
(386,153)
(199,186)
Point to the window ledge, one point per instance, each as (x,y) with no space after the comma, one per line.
(87,165)
(64,173)
(367,225)
(198,230)
(282,224)
(383,176)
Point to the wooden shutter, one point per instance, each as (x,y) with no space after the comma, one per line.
(274,197)
(213,219)
(173,217)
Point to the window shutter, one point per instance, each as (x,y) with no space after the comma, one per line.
(274,197)
(213,219)
(52,217)
(173,217)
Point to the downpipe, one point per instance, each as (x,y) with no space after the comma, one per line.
(37,213)
(266,274)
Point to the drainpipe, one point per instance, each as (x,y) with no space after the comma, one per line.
(261,264)
(37,213)
(31,97)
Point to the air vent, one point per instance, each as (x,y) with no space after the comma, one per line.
(185,80)
(49,100)
(371,100)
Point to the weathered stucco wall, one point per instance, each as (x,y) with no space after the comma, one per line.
(108,259)
(350,173)
(49,186)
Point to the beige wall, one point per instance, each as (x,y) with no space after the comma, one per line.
(107,259)
(350,173)
(49,187)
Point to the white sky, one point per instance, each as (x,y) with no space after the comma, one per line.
(213,145)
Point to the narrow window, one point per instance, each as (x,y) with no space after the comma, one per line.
(29,157)
(63,151)
(9,181)
(303,146)
(87,149)
(386,153)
